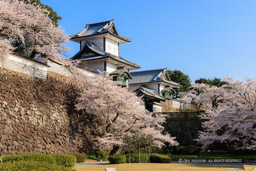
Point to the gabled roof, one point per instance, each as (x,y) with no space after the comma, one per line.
(121,72)
(167,89)
(148,93)
(92,52)
(150,76)
(88,50)
(106,27)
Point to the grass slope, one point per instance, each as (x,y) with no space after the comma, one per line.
(157,167)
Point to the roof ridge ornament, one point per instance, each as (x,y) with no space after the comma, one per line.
(158,76)
(106,27)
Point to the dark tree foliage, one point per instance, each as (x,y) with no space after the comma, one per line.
(52,15)
(212,82)
(179,77)
(25,49)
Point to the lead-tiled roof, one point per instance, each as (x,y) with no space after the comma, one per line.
(99,28)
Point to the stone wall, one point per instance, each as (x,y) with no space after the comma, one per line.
(37,115)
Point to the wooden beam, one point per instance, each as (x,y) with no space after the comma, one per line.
(105,66)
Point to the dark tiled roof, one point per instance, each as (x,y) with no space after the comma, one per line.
(89,50)
(99,28)
(150,76)
(167,89)
(145,76)
(120,72)
(149,93)
(92,52)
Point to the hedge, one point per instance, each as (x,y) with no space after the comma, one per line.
(80,157)
(46,158)
(32,166)
(1,157)
(134,158)
(91,156)
(187,150)
(65,160)
(159,158)
(117,158)
(103,155)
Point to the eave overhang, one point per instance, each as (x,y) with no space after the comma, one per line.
(120,72)
(149,94)
(111,59)
(164,82)
(120,39)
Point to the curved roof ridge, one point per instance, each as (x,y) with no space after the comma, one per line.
(149,92)
(121,58)
(106,27)
(99,23)
(92,47)
(148,70)
(95,48)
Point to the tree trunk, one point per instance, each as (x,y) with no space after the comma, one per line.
(149,154)
(145,149)
(114,150)
(129,156)
(139,155)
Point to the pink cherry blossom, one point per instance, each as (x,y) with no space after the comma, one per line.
(230,113)
(21,22)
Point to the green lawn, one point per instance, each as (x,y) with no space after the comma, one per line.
(91,156)
(157,167)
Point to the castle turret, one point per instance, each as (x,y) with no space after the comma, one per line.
(99,50)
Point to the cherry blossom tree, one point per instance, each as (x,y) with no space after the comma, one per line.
(116,110)
(230,114)
(23,24)
(196,96)
(119,114)
(5,48)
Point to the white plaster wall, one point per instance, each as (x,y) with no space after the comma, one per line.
(161,88)
(111,47)
(133,87)
(87,73)
(26,66)
(153,86)
(127,83)
(21,64)
(110,67)
(157,108)
(96,66)
(58,68)
(27,62)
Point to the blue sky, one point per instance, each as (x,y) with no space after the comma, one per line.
(202,38)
